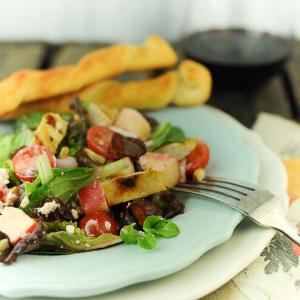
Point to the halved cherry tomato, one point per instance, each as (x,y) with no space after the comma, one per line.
(198,158)
(99,139)
(92,198)
(24,161)
(3,193)
(97,223)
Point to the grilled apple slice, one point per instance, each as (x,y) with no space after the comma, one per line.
(134,186)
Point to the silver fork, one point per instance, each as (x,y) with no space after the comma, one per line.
(256,203)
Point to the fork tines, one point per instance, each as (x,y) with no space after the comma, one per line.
(232,189)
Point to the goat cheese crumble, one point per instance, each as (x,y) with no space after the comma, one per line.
(48,208)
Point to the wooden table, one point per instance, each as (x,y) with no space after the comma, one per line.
(271,98)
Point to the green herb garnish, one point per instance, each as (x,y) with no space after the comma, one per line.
(159,226)
(166,133)
(153,226)
(146,240)
(129,234)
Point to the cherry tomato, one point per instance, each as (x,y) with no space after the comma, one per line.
(92,198)
(3,193)
(24,161)
(99,139)
(198,158)
(97,223)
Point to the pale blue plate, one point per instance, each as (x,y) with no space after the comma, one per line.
(204,225)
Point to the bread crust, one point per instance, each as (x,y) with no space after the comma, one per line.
(33,85)
(190,84)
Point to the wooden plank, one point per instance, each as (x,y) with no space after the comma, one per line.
(273,99)
(15,56)
(71,53)
(293,69)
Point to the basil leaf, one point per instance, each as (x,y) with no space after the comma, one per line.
(65,183)
(77,241)
(146,240)
(166,133)
(167,230)
(129,234)
(159,226)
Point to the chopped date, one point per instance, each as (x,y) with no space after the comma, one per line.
(123,214)
(62,212)
(143,208)
(127,146)
(162,204)
(77,127)
(169,204)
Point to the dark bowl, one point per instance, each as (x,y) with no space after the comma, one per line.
(239,59)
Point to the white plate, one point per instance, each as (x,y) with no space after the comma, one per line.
(219,265)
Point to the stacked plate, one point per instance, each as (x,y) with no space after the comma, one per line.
(187,267)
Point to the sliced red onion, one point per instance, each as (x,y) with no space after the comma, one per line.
(69,162)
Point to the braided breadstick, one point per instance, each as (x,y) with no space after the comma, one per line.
(31,85)
(189,85)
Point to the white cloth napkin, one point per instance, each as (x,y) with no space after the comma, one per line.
(275,275)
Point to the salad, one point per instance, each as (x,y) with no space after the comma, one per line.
(92,179)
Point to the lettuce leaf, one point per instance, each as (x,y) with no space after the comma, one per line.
(29,187)
(32,121)
(28,121)
(9,143)
(77,241)
(7,164)
(57,225)
(65,183)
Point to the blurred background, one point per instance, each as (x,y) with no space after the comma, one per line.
(255,68)
(132,20)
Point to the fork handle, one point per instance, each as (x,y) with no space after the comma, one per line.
(287,229)
(290,231)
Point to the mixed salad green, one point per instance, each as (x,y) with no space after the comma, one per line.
(91,179)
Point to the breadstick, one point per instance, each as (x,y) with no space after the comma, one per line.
(189,85)
(32,85)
